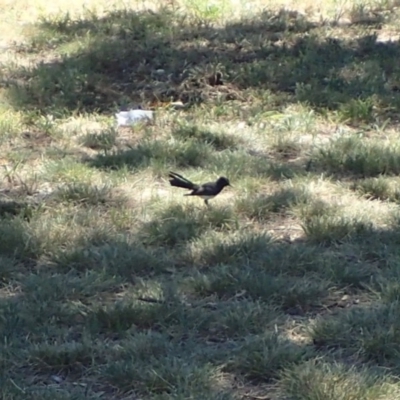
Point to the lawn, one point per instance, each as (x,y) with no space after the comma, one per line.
(113,285)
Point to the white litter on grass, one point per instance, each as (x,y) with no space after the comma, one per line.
(131,117)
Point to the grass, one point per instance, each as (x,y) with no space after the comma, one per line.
(115,285)
(314,380)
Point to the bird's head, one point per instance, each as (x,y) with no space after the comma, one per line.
(222,181)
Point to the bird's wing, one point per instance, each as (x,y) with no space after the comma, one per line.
(206,188)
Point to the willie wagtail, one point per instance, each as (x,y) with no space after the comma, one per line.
(206,191)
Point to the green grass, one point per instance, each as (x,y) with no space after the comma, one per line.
(100,141)
(363,157)
(115,285)
(315,380)
(376,343)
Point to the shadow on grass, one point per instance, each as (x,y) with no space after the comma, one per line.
(114,60)
(154,153)
(262,207)
(16,208)
(107,306)
(177,225)
(162,155)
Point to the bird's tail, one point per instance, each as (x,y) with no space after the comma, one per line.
(179,181)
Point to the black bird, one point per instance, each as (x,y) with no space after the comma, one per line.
(206,191)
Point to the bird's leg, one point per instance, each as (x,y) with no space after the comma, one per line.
(206,201)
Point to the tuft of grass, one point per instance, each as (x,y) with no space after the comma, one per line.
(165,375)
(69,357)
(10,125)
(204,12)
(84,194)
(352,154)
(263,357)
(214,248)
(357,110)
(75,286)
(179,224)
(330,229)
(11,208)
(16,241)
(241,164)
(378,341)
(217,140)
(125,315)
(67,170)
(260,207)
(7,266)
(240,318)
(350,272)
(173,227)
(155,153)
(377,188)
(317,208)
(387,288)
(313,380)
(123,258)
(286,146)
(289,293)
(105,140)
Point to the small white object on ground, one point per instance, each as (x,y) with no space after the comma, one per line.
(57,378)
(177,105)
(131,117)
